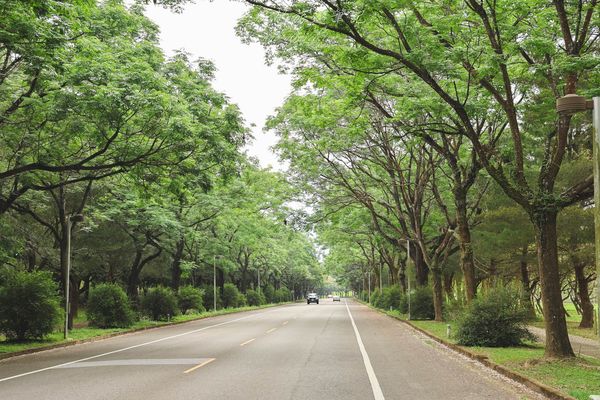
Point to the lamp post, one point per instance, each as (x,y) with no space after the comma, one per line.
(70,220)
(569,105)
(215,283)
(408,275)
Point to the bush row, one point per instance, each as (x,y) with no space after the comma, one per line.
(392,297)
(30,303)
(495,318)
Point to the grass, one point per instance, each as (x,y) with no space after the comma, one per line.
(579,377)
(573,320)
(84,332)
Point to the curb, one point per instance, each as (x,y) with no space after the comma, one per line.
(534,385)
(14,354)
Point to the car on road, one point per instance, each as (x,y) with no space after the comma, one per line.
(336,298)
(312,298)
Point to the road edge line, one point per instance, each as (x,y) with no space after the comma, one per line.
(375,387)
(535,386)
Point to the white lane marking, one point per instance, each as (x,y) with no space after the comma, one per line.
(199,365)
(377,393)
(132,347)
(271,330)
(137,361)
(285,322)
(247,341)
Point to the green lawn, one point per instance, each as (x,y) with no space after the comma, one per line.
(87,332)
(579,377)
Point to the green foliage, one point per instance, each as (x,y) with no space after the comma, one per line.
(230,295)
(391,296)
(255,298)
(269,293)
(421,303)
(375,294)
(160,303)
(207,298)
(282,295)
(190,298)
(29,305)
(108,307)
(241,300)
(495,319)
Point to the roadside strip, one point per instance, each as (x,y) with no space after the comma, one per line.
(534,385)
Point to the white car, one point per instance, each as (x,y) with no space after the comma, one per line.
(336,298)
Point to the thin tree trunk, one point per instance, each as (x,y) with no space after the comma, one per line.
(437,294)
(176,265)
(526,284)
(583,292)
(467,264)
(557,338)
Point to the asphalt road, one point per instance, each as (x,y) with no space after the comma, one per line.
(327,351)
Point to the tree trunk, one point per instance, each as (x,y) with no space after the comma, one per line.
(176,265)
(421,268)
(583,293)
(557,338)
(133,278)
(526,284)
(437,294)
(493,270)
(448,289)
(467,264)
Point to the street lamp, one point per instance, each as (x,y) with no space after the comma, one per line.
(406,273)
(70,220)
(215,283)
(569,105)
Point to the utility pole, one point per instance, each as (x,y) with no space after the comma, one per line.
(70,220)
(569,105)
(215,283)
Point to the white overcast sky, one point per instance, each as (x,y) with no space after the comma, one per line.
(206,29)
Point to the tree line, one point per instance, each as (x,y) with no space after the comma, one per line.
(96,121)
(427,132)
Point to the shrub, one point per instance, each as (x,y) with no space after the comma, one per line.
(230,295)
(255,298)
(108,307)
(207,298)
(496,319)
(375,297)
(390,297)
(241,300)
(29,305)
(160,303)
(269,294)
(282,294)
(421,303)
(190,298)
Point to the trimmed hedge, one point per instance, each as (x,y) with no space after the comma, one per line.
(495,319)
(160,303)
(190,299)
(29,305)
(108,307)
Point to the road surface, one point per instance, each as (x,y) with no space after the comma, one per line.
(327,351)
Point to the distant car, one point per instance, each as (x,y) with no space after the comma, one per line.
(329,296)
(312,298)
(336,298)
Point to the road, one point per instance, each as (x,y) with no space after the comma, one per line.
(326,351)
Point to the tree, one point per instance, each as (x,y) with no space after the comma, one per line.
(493,65)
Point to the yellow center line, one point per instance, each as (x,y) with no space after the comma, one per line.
(199,365)
(285,322)
(271,330)
(248,341)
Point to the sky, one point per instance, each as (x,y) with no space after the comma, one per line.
(206,29)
